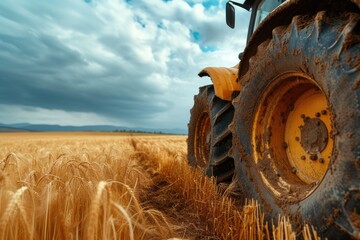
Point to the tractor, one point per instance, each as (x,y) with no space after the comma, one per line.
(284,123)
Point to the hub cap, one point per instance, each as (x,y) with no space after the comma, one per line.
(314,135)
(290,136)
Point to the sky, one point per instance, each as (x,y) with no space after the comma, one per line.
(130,63)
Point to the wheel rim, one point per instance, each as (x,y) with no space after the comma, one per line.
(291,136)
(202,140)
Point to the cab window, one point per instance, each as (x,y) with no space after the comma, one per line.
(264,8)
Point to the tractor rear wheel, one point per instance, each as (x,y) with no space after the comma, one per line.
(296,124)
(209,139)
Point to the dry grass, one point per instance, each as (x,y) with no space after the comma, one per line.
(115,186)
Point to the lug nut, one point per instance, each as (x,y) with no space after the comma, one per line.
(321,160)
(302,116)
(323,112)
(347,196)
(313,157)
(293,170)
(285,145)
(317,114)
(297,138)
(336,212)
(302,157)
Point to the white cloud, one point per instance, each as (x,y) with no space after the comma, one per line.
(111,61)
(23,114)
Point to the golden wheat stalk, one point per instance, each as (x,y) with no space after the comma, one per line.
(10,210)
(94,211)
(127,218)
(6,161)
(30,230)
(71,177)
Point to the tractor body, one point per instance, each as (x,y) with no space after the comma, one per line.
(284,122)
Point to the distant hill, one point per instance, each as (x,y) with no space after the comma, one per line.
(11,129)
(26,127)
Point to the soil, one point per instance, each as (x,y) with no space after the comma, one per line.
(178,210)
(355,220)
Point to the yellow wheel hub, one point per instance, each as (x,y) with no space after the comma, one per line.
(307,134)
(291,135)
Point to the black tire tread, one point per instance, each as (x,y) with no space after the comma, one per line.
(223,164)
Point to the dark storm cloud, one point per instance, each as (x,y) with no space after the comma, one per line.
(116,60)
(43,71)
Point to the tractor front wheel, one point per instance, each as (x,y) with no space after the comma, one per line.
(209,139)
(296,124)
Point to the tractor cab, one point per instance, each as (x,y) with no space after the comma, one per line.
(260,9)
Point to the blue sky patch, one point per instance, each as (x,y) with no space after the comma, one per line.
(195,35)
(207,48)
(210,3)
(206,3)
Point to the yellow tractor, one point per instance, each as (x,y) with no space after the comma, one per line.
(284,123)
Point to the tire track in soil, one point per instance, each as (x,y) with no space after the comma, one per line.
(180,212)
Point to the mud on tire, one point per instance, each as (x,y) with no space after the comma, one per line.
(326,49)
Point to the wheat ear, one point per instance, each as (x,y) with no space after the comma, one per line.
(94,211)
(11,209)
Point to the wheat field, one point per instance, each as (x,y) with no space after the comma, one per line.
(118,186)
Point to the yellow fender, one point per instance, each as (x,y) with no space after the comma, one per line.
(224,80)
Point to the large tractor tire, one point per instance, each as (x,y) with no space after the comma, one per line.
(209,138)
(296,124)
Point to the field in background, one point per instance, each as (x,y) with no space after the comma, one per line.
(117,186)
